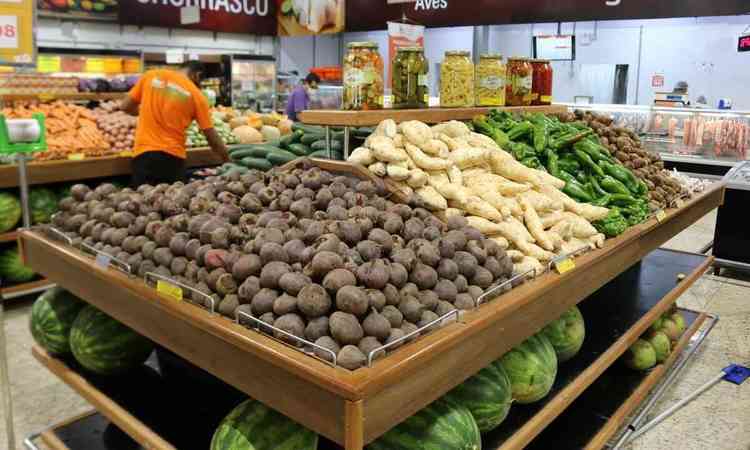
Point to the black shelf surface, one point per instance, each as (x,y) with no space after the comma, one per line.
(609,313)
(184,404)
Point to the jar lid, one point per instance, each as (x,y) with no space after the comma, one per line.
(491,56)
(410,49)
(366,44)
(457,53)
(540,61)
(518,58)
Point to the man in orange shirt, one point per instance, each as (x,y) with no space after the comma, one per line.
(168,102)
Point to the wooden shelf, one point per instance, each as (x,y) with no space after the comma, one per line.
(85,169)
(427,115)
(90,96)
(644,291)
(32,287)
(616,316)
(10,236)
(353,408)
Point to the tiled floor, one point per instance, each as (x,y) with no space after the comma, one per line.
(718,420)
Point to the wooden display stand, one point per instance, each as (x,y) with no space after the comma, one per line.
(643,292)
(353,408)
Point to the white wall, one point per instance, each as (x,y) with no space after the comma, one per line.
(701,51)
(95,35)
(303,53)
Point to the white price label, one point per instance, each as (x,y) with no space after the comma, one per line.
(103,260)
(8,32)
(175,57)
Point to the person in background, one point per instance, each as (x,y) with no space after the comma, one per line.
(299,100)
(167,102)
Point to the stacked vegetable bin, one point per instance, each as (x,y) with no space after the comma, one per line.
(353,408)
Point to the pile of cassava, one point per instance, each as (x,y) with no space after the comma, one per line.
(323,257)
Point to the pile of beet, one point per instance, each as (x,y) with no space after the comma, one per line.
(323,257)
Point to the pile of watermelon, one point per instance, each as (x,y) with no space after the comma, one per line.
(63,324)
(10,211)
(454,422)
(12,269)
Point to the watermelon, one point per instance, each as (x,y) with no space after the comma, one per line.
(105,346)
(640,356)
(487,395)
(566,334)
(52,317)
(443,425)
(42,204)
(532,368)
(10,211)
(254,426)
(12,268)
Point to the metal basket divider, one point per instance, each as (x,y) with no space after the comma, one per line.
(491,292)
(183,286)
(455,312)
(124,267)
(260,324)
(57,232)
(564,256)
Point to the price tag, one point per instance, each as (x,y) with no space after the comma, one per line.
(169,289)
(9,32)
(103,260)
(45,97)
(564,265)
(48,64)
(660,215)
(94,65)
(76,156)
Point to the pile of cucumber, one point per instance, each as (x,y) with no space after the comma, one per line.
(304,141)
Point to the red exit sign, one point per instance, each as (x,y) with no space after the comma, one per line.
(743,45)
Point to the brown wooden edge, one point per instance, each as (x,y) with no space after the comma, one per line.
(114,412)
(8,237)
(427,115)
(639,395)
(354,423)
(30,286)
(564,398)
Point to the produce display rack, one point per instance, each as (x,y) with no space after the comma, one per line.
(20,290)
(352,408)
(76,96)
(90,168)
(348,119)
(644,291)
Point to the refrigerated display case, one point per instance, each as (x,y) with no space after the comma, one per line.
(701,141)
(285,84)
(254,83)
(328,96)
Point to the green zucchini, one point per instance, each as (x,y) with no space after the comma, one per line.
(321,145)
(313,129)
(256,163)
(236,169)
(280,157)
(299,149)
(287,140)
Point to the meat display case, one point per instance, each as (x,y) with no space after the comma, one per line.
(702,141)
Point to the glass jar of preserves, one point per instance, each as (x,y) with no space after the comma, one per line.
(410,82)
(457,80)
(541,85)
(519,82)
(363,77)
(490,81)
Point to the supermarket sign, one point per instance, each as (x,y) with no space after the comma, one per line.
(17,46)
(229,16)
(446,13)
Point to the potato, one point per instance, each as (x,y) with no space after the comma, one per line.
(316,328)
(292,324)
(284,304)
(377,325)
(345,328)
(353,300)
(411,308)
(328,343)
(263,301)
(368,344)
(292,283)
(396,335)
(351,357)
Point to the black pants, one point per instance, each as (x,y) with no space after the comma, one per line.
(156,167)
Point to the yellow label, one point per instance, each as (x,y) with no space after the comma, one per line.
(126,154)
(113,65)
(545,99)
(660,215)
(565,265)
(48,64)
(169,289)
(76,156)
(94,65)
(45,97)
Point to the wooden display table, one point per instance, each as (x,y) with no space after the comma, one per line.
(152,409)
(90,168)
(354,408)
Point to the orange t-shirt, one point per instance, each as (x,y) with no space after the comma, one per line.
(169,102)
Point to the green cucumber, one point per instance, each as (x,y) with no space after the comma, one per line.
(256,163)
(308,139)
(308,129)
(280,157)
(299,149)
(287,140)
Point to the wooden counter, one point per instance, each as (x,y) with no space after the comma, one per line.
(354,408)
(427,115)
(107,166)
